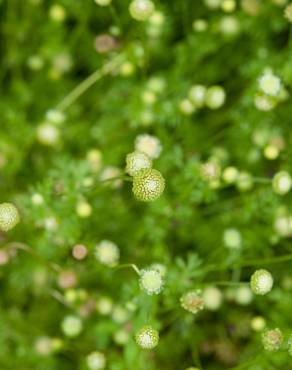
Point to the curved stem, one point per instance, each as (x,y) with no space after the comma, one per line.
(126,265)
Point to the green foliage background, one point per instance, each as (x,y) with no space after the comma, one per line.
(184,228)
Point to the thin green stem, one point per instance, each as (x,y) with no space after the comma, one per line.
(131,265)
(88,82)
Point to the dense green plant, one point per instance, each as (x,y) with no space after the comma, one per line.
(145,161)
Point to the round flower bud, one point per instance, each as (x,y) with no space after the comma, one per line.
(269,83)
(288,12)
(210,171)
(57,13)
(120,315)
(230,174)
(107,253)
(83,209)
(229,25)
(197,95)
(258,323)
(55,116)
(215,97)
(192,301)
(43,346)
(103,2)
(110,176)
(212,4)
(148,185)
(72,326)
(96,361)
(37,199)
(243,295)
(156,84)
(272,339)
(200,25)
(244,181)
(151,281)
(264,103)
(186,107)
(79,252)
(212,298)
(48,134)
(147,337)
(9,216)
(261,282)
(271,152)
(149,145)
(67,279)
(160,268)
(127,69)
(104,305)
(121,337)
(137,161)
(228,6)
(141,10)
(282,182)
(232,239)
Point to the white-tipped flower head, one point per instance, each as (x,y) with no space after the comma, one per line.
(9,216)
(264,102)
(137,161)
(232,239)
(269,83)
(187,107)
(151,281)
(192,301)
(197,95)
(148,185)
(215,97)
(288,12)
(72,326)
(148,144)
(107,253)
(96,360)
(261,282)
(210,171)
(141,10)
(147,337)
(212,298)
(272,339)
(282,182)
(243,295)
(48,134)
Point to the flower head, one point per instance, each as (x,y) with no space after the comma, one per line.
(96,360)
(212,298)
(137,161)
(215,97)
(192,301)
(141,10)
(232,238)
(107,253)
(272,339)
(282,182)
(9,216)
(48,134)
(103,2)
(149,145)
(151,281)
(147,337)
(197,95)
(148,185)
(261,282)
(72,326)
(269,83)
(288,12)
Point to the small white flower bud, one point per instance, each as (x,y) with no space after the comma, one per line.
(150,145)
(141,10)
(48,134)
(137,161)
(9,216)
(96,361)
(232,239)
(261,282)
(192,301)
(103,2)
(151,281)
(258,323)
(107,253)
(72,326)
(215,97)
(147,337)
(269,83)
(282,182)
(212,298)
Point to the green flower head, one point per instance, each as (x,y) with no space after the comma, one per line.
(148,185)
(9,216)
(147,337)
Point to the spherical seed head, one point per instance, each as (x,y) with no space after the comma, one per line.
(141,10)
(9,216)
(148,144)
(272,339)
(151,281)
(261,282)
(72,326)
(192,301)
(288,12)
(148,185)
(137,161)
(215,97)
(147,337)
(96,360)
(269,84)
(107,253)
(232,239)
(282,182)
